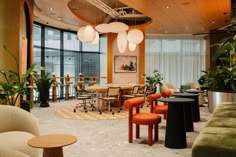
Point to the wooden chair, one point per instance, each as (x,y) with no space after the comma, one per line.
(112,95)
(150,119)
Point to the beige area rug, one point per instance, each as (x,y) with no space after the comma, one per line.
(68,112)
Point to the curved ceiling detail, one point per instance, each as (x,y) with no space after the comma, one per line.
(96,12)
(167,16)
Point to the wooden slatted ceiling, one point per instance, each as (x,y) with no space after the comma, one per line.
(194,14)
(183,16)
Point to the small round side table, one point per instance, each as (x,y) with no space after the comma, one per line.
(52,144)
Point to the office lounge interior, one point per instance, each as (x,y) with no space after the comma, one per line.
(170,36)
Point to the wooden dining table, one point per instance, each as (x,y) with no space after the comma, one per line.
(101,89)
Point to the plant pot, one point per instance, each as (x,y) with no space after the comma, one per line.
(44,97)
(25,106)
(215,98)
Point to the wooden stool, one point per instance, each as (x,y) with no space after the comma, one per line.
(150,119)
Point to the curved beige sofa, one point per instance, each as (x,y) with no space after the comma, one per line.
(17,126)
(168,86)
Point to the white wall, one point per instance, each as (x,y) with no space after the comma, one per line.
(125,78)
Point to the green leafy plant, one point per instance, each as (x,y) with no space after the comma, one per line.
(15,85)
(222,77)
(154,80)
(43,85)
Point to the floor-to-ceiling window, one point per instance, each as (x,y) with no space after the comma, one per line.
(180,59)
(61,52)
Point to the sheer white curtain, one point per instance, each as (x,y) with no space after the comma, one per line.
(103,58)
(180,58)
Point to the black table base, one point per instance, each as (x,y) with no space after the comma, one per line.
(175,131)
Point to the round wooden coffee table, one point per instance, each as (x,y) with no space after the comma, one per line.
(52,144)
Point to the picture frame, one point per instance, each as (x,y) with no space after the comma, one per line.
(125,64)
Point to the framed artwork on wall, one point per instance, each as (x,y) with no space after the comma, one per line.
(125,64)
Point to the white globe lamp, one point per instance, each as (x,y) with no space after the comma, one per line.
(122,42)
(135,36)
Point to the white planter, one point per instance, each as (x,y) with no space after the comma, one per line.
(215,98)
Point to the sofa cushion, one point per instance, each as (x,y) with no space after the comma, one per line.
(225,113)
(222,122)
(17,140)
(217,145)
(11,153)
(219,130)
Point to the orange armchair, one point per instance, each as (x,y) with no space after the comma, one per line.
(150,119)
(154,107)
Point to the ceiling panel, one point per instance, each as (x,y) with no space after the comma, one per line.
(182,16)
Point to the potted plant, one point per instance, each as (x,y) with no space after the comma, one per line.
(220,81)
(154,80)
(43,85)
(16,86)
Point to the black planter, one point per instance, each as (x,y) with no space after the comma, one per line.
(25,106)
(44,97)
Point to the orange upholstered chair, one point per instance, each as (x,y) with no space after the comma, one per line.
(154,107)
(150,119)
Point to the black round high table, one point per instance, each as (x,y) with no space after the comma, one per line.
(175,130)
(188,110)
(196,110)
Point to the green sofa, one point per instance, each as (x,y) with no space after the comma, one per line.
(218,137)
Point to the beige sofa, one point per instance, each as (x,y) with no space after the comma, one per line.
(168,86)
(194,86)
(17,126)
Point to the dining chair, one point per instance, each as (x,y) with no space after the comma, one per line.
(155,107)
(133,93)
(112,97)
(144,118)
(142,92)
(86,98)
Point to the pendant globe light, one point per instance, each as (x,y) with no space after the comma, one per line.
(89,34)
(135,36)
(103,28)
(122,42)
(80,34)
(96,40)
(117,27)
(132,46)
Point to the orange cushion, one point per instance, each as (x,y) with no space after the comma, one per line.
(160,109)
(153,97)
(166,93)
(133,102)
(146,118)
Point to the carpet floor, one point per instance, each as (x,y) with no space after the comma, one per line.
(67,112)
(108,137)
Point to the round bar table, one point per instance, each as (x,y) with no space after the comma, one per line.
(196,110)
(188,110)
(52,144)
(175,130)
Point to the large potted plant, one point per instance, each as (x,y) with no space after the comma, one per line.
(220,81)
(43,85)
(154,80)
(16,86)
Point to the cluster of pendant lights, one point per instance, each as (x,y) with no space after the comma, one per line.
(124,38)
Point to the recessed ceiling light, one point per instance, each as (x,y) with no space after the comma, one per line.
(213,22)
(59,18)
(167,7)
(50,8)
